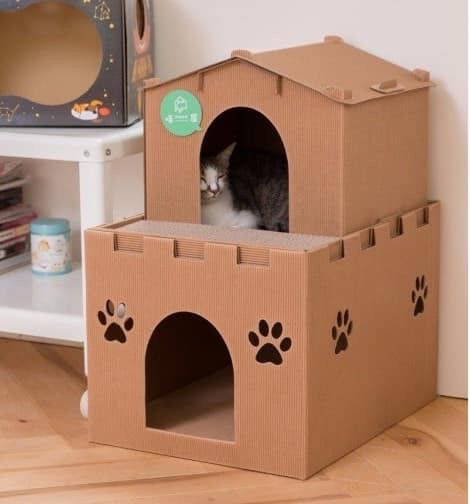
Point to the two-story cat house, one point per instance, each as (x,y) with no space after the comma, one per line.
(278,352)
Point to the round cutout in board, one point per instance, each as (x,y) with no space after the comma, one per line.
(181,113)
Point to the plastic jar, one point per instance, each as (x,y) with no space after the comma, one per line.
(50,246)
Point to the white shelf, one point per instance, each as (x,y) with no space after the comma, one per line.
(52,307)
(72,144)
(42,306)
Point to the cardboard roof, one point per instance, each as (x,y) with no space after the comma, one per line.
(333,68)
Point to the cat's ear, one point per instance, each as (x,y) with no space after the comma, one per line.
(224,157)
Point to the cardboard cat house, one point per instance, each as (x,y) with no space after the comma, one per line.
(74,62)
(276,352)
(352,127)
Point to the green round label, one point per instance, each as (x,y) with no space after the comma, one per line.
(181,113)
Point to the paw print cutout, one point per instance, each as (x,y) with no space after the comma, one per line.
(114,331)
(341,331)
(268,352)
(419,294)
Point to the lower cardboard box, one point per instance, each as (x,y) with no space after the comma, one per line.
(266,351)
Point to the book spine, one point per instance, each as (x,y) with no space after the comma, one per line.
(11,193)
(10,202)
(13,250)
(14,232)
(25,219)
(15,261)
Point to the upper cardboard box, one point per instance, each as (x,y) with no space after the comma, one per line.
(73,62)
(352,128)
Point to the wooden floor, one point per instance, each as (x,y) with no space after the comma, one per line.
(45,456)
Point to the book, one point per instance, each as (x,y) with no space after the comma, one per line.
(10,201)
(17,182)
(17,220)
(11,193)
(14,211)
(15,232)
(15,261)
(14,247)
(9,170)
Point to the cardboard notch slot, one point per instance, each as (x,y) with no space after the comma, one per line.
(253,256)
(396,227)
(336,251)
(422,217)
(128,243)
(367,238)
(279,85)
(189,249)
(200,81)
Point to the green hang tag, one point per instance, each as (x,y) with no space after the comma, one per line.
(181,113)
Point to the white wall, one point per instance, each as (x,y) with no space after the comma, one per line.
(429,34)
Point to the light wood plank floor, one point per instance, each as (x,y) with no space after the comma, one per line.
(45,456)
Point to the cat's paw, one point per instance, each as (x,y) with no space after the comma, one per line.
(246,220)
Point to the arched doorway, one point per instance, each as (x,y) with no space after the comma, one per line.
(189,378)
(258,146)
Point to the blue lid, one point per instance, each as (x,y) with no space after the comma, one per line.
(49,226)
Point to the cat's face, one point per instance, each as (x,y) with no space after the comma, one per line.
(214,173)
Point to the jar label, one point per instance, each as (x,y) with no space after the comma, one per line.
(50,254)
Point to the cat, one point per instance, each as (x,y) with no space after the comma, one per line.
(217,205)
(252,186)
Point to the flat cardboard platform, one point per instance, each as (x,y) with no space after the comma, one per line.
(214,234)
(202,409)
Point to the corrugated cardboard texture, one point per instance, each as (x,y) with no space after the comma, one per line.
(335,64)
(335,69)
(351,162)
(253,237)
(308,385)
(389,369)
(385,158)
(310,139)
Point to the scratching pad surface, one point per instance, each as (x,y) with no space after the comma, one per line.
(254,237)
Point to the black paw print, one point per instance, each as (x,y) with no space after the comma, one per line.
(268,352)
(341,331)
(419,295)
(114,332)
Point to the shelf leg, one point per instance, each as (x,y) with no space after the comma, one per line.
(96,207)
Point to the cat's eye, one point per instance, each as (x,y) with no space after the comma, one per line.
(220,177)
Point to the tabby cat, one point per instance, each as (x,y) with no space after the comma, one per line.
(245,188)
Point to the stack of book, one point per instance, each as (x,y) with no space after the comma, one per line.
(15,217)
